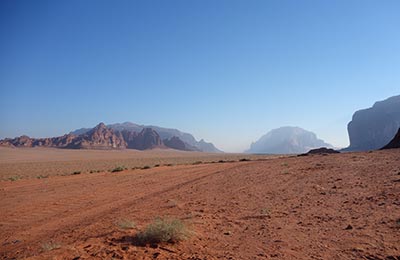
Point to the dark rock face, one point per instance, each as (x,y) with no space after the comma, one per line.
(99,137)
(287,140)
(146,139)
(176,143)
(374,127)
(322,150)
(394,143)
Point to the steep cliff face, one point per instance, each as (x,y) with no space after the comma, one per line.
(177,144)
(100,137)
(146,139)
(394,143)
(374,127)
(287,140)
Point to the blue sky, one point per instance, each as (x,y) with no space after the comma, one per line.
(226,71)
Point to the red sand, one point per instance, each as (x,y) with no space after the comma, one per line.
(341,206)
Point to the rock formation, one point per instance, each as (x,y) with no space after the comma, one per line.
(177,144)
(103,137)
(322,150)
(287,140)
(394,143)
(165,133)
(374,127)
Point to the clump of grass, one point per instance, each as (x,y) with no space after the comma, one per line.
(118,169)
(265,211)
(50,246)
(42,176)
(14,178)
(146,167)
(163,230)
(76,172)
(285,164)
(197,162)
(126,224)
(285,172)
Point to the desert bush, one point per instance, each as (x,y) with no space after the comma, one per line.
(157,165)
(163,230)
(118,169)
(244,160)
(146,167)
(42,176)
(197,162)
(14,178)
(76,172)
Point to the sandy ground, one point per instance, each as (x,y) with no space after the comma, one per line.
(341,206)
(23,163)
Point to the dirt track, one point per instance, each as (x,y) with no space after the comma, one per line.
(344,206)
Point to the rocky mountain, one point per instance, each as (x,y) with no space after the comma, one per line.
(105,137)
(287,140)
(165,133)
(394,143)
(176,143)
(100,137)
(374,127)
(146,139)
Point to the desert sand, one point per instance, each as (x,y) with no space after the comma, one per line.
(339,206)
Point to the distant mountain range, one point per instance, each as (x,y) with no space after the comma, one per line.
(287,140)
(118,136)
(374,127)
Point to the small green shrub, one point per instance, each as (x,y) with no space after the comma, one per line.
(118,169)
(197,162)
(14,178)
(163,230)
(42,176)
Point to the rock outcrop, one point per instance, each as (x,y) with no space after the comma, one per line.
(177,144)
(394,143)
(373,128)
(100,137)
(322,150)
(146,139)
(287,140)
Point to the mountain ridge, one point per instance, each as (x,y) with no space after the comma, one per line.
(107,137)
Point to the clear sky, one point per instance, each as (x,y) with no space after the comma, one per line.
(227,71)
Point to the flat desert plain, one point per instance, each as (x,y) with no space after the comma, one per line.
(338,206)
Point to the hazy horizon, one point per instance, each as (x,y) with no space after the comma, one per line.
(225,71)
